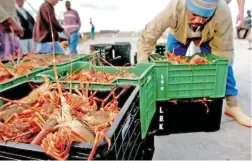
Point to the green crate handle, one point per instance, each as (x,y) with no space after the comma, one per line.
(51,78)
(149,78)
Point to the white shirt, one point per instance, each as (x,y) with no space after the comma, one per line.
(22,11)
(193,34)
(228,1)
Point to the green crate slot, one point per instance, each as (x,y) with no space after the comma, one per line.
(181,81)
(76,58)
(21,79)
(146,80)
(50,54)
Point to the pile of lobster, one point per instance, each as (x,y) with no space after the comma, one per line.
(98,76)
(195,60)
(15,69)
(46,60)
(92,75)
(55,119)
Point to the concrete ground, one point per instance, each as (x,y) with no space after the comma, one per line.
(231,142)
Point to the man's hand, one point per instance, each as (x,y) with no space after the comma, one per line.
(240,16)
(14,26)
(240,20)
(67,34)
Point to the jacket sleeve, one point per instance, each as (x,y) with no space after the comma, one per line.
(46,11)
(222,43)
(154,30)
(3,14)
(78,18)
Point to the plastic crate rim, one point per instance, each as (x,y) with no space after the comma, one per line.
(25,75)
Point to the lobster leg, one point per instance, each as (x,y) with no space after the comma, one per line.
(33,130)
(49,148)
(96,143)
(40,118)
(99,136)
(106,99)
(5,105)
(84,91)
(20,103)
(47,129)
(38,123)
(124,89)
(9,118)
(58,144)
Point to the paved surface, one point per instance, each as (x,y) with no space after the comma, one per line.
(231,142)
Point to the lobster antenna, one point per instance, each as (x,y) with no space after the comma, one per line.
(54,58)
(71,77)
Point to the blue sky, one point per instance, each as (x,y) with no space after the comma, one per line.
(125,15)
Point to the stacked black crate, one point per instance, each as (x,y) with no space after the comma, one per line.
(160,49)
(188,115)
(107,49)
(123,50)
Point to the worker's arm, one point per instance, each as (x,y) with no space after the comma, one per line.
(78,19)
(222,43)
(240,16)
(154,29)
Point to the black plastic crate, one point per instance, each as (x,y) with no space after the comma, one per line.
(160,49)
(123,49)
(104,48)
(125,133)
(188,115)
(135,58)
(117,61)
(122,46)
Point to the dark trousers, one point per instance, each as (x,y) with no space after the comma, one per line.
(245,34)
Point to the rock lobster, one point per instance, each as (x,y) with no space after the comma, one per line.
(15,69)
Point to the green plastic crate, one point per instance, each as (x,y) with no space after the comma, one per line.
(56,54)
(78,57)
(181,81)
(146,80)
(21,79)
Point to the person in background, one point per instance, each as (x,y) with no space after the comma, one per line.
(92,33)
(27,22)
(248,19)
(72,25)
(42,29)
(206,23)
(250,43)
(246,26)
(9,44)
